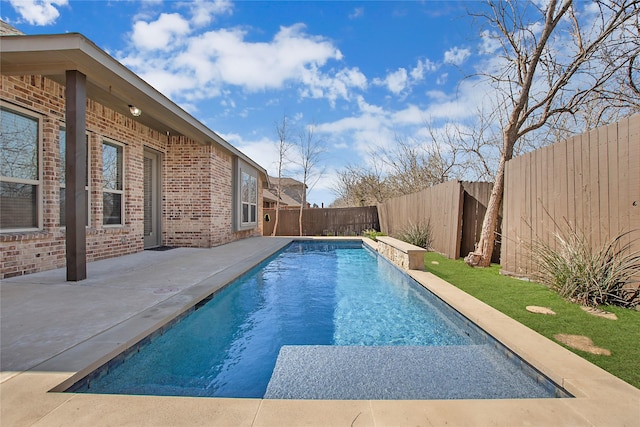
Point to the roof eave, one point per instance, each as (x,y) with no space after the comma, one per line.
(108,82)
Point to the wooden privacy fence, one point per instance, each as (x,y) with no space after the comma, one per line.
(322,222)
(590,182)
(454,210)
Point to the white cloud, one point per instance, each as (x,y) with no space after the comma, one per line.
(396,82)
(374,126)
(489,42)
(263,151)
(356,139)
(322,192)
(332,87)
(357,13)
(456,56)
(257,65)
(417,73)
(437,95)
(542,4)
(472,94)
(590,10)
(171,84)
(442,79)
(367,108)
(536,28)
(38,12)
(160,33)
(411,115)
(352,77)
(204,11)
(400,81)
(228,103)
(218,58)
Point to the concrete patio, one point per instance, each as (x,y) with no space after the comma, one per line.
(54,332)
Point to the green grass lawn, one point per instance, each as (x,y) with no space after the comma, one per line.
(511,296)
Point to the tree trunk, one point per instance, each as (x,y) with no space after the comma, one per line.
(275,222)
(304,201)
(300,219)
(481,257)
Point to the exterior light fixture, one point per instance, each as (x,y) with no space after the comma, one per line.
(135,111)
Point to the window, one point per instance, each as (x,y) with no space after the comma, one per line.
(112,183)
(20,182)
(63,147)
(247,196)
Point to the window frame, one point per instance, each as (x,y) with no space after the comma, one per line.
(62,176)
(242,168)
(121,192)
(38,183)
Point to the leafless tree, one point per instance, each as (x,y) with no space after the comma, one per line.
(413,166)
(310,151)
(360,186)
(283,145)
(444,152)
(619,96)
(405,167)
(479,146)
(551,63)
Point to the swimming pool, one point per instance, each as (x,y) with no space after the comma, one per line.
(337,307)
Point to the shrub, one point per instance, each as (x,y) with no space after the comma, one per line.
(418,234)
(586,275)
(372,234)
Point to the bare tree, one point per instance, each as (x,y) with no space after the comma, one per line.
(310,151)
(551,63)
(283,147)
(479,145)
(402,168)
(360,186)
(413,166)
(444,152)
(619,96)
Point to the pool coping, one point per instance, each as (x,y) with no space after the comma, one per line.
(600,398)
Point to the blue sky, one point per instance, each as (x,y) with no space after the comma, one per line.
(361,72)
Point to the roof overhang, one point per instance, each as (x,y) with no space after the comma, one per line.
(108,82)
(269,196)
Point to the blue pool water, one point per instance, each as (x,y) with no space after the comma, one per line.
(311,294)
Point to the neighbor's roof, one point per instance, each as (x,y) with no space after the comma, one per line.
(285,199)
(288,200)
(108,82)
(269,196)
(286,182)
(6,29)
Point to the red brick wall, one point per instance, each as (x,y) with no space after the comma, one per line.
(186,194)
(197,193)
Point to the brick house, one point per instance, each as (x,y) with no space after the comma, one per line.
(293,192)
(149,179)
(270,200)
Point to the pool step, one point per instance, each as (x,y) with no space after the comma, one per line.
(372,373)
